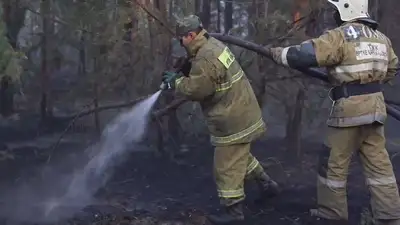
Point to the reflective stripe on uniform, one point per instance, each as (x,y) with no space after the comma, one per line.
(332,183)
(178,81)
(227,58)
(231,193)
(224,86)
(252,166)
(381,181)
(381,66)
(284,56)
(357,120)
(239,135)
(236,77)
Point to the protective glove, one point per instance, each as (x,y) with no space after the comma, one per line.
(276,54)
(169,79)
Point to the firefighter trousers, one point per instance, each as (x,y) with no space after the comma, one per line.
(369,142)
(232,165)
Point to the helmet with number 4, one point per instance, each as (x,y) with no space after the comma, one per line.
(351,9)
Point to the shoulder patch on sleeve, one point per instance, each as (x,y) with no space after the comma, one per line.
(226,57)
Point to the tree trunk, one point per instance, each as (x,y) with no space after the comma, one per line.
(252,21)
(218,16)
(151,30)
(14,17)
(266,8)
(96,99)
(375,10)
(45,8)
(294,125)
(206,14)
(171,10)
(388,21)
(188,7)
(82,55)
(6,97)
(228,16)
(157,4)
(197,7)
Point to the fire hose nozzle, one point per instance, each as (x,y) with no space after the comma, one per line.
(165,86)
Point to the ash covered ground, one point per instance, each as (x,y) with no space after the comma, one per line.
(148,189)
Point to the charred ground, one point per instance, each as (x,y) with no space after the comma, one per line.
(148,189)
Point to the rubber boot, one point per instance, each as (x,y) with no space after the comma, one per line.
(268,187)
(318,218)
(230,215)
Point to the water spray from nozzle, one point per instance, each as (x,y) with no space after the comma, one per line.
(60,194)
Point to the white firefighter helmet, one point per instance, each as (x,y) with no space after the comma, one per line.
(351,9)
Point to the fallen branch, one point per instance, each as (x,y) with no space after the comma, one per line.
(106,107)
(70,124)
(157,113)
(172,106)
(60,138)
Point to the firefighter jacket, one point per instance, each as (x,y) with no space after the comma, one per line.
(355,54)
(227,100)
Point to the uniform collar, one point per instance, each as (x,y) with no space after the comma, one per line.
(193,47)
(366,21)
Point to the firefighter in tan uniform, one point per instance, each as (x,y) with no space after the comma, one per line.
(359,59)
(233,115)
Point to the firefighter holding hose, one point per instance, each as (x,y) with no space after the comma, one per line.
(233,116)
(359,58)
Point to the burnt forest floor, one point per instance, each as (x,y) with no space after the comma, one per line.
(147,189)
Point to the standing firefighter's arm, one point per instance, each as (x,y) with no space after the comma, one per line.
(393,66)
(326,50)
(199,84)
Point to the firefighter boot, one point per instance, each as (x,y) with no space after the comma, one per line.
(317,219)
(230,215)
(269,188)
